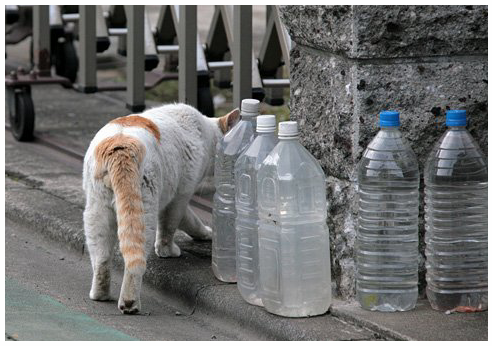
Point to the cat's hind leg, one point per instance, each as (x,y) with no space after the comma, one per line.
(169,219)
(194,226)
(101,234)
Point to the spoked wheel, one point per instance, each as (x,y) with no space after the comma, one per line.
(21,113)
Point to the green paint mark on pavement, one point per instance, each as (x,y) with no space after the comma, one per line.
(33,316)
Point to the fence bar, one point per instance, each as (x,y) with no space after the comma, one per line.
(151,58)
(87,40)
(41,39)
(242,53)
(55,15)
(135,58)
(187,54)
(102,39)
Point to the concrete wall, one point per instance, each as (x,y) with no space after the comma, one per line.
(350,62)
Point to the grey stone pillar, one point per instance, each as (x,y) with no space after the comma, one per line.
(350,62)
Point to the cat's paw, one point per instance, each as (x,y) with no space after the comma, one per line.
(99,295)
(130,307)
(205,234)
(168,250)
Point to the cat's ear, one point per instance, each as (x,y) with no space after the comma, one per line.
(229,120)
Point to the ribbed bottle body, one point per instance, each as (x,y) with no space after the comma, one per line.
(387,234)
(456,221)
(294,255)
(224,211)
(247,219)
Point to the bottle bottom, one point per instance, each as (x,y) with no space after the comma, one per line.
(251,298)
(388,302)
(223,275)
(313,309)
(458,302)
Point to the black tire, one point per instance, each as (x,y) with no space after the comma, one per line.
(66,60)
(22,119)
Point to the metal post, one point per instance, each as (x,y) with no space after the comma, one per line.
(268,12)
(135,58)
(55,15)
(151,58)
(218,44)
(87,40)
(41,39)
(102,39)
(242,53)
(187,55)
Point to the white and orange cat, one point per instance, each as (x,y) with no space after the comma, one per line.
(140,172)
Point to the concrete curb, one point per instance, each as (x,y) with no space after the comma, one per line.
(191,282)
(189,279)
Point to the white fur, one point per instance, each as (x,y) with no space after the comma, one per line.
(170,173)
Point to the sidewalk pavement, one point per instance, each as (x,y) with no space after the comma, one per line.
(44,191)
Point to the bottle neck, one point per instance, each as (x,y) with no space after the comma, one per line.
(390,128)
(456,128)
(288,139)
(266,134)
(390,132)
(250,118)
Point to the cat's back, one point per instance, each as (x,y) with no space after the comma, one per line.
(178,117)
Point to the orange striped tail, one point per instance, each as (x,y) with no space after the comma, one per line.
(118,158)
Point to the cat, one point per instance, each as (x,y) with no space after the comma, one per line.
(140,172)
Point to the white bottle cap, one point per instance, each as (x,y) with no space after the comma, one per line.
(266,123)
(250,107)
(288,129)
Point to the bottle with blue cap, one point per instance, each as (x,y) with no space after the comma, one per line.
(294,255)
(456,220)
(224,212)
(387,233)
(247,220)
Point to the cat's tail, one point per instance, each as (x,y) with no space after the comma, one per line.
(118,159)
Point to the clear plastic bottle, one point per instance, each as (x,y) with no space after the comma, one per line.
(387,236)
(246,168)
(294,254)
(224,211)
(456,220)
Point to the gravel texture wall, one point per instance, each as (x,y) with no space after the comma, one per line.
(350,62)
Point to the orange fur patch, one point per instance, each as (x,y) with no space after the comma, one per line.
(119,157)
(125,145)
(138,121)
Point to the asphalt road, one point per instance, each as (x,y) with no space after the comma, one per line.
(47,298)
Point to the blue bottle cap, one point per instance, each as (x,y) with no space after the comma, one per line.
(389,119)
(456,118)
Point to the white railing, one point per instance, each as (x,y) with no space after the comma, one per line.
(227,56)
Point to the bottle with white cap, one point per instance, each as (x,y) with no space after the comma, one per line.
(246,168)
(224,212)
(294,255)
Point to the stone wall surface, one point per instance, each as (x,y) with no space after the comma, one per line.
(389,31)
(350,62)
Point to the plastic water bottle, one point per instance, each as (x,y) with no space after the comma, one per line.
(247,220)
(456,216)
(294,255)
(224,211)
(387,236)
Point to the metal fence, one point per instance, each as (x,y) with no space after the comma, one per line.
(226,57)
